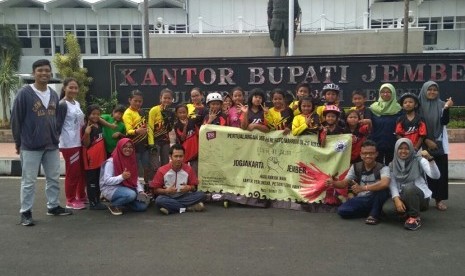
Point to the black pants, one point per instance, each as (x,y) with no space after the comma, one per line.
(93,187)
(413,199)
(440,187)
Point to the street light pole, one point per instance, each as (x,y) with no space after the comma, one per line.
(290,51)
(406,9)
(146,29)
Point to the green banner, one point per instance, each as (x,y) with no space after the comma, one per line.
(272,165)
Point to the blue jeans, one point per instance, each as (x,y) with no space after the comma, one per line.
(125,196)
(362,206)
(174,204)
(30,164)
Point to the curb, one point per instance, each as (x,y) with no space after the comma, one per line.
(12,167)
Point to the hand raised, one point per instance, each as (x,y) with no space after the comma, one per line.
(126,174)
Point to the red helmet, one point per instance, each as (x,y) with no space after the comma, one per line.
(331,109)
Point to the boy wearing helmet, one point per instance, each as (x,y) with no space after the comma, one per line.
(410,125)
(331,94)
(215,115)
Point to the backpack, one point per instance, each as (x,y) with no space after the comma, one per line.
(359,169)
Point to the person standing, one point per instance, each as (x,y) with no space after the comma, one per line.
(384,117)
(435,112)
(71,118)
(36,135)
(278,23)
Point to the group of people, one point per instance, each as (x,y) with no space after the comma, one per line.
(394,144)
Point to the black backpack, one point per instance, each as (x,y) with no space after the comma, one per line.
(359,169)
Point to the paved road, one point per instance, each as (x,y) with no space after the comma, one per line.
(234,241)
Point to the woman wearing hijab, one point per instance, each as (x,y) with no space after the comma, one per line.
(436,115)
(385,113)
(119,182)
(410,193)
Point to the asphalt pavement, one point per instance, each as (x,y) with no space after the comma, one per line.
(233,241)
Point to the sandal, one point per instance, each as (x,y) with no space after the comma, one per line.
(441,206)
(371,220)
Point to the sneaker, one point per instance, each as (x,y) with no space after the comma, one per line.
(97,206)
(83,200)
(198,207)
(26,218)
(115,210)
(412,223)
(164,211)
(59,211)
(77,205)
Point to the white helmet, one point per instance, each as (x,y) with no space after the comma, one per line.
(214,97)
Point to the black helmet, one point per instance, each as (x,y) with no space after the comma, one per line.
(409,95)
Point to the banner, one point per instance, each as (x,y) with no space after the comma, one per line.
(272,165)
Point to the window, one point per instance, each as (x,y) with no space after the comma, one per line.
(126,30)
(93,45)
(34,30)
(25,42)
(448,23)
(431,34)
(125,45)
(111,45)
(104,30)
(45,31)
(92,31)
(45,42)
(82,44)
(136,31)
(137,46)
(58,30)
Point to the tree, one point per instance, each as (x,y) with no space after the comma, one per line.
(10,55)
(69,65)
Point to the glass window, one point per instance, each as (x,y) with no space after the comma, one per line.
(104,30)
(93,46)
(45,42)
(25,42)
(137,45)
(82,44)
(137,31)
(111,45)
(448,23)
(125,45)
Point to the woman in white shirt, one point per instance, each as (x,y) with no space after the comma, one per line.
(70,119)
(409,190)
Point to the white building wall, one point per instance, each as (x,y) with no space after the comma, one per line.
(221,15)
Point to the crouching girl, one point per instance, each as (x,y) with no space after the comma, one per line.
(119,182)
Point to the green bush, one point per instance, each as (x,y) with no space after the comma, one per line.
(106,105)
(457,113)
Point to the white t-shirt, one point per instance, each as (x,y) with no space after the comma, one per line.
(43,95)
(71,132)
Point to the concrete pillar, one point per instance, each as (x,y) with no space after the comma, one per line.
(323,22)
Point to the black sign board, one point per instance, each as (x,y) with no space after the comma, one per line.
(364,72)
